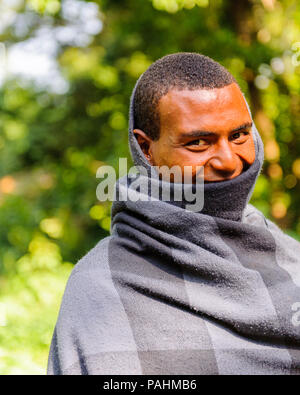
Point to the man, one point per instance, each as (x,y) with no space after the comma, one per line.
(177,291)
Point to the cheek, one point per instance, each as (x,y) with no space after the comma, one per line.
(246,151)
(188,161)
(184,157)
(180,157)
(160,154)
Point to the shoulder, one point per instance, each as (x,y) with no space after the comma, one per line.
(253,216)
(89,281)
(94,260)
(90,299)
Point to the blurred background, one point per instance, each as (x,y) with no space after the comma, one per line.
(67,69)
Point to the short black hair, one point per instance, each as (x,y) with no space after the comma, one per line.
(183,70)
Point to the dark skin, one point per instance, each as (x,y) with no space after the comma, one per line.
(210,128)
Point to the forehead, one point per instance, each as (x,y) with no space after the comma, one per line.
(216,109)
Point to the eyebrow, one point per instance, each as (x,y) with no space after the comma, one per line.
(246,125)
(205,133)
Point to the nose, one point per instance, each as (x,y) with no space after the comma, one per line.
(224,160)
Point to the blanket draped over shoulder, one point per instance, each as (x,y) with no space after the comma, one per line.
(172,291)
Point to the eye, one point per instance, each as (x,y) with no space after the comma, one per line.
(239,137)
(198,142)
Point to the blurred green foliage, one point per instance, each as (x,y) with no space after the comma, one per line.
(51,143)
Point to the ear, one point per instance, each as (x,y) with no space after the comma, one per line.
(145,143)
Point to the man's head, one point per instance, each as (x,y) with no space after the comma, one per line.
(189,111)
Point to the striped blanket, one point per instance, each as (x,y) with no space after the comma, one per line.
(172,291)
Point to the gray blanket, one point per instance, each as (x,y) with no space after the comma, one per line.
(172,291)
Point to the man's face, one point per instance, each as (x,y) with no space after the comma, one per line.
(209,128)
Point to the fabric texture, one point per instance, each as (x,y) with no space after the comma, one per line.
(172,291)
